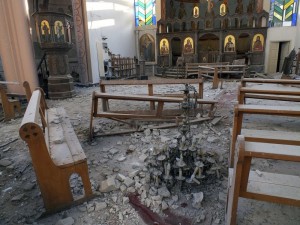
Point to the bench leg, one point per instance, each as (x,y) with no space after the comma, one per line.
(234,185)
(83,171)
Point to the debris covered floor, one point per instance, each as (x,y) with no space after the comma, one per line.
(113,156)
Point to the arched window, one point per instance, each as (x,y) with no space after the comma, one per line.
(145,12)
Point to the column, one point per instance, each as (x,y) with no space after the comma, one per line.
(16,48)
(82,40)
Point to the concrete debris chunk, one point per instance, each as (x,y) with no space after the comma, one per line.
(164,205)
(100,206)
(122,158)
(164,192)
(128,182)
(125,200)
(17,198)
(143,157)
(108,185)
(113,151)
(134,173)
(66,221)
(5,162)
(197,199)
(120,177)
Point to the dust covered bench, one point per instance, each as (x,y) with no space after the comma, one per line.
(55,151)
(269,89)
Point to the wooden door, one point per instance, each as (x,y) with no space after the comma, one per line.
(273,57)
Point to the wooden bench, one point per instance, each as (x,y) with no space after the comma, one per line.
(216,69)
(192,69)
(9,105)
(154,113)
(269,89)
(55,151)
(270,187)
(279,137)
(151,83)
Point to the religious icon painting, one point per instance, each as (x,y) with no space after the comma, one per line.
(258,43)
(188,46)
(196,12)
(164,47)
(147,47)
(45,31)
(45,28)
(223,10)
(229,44)
(59,30)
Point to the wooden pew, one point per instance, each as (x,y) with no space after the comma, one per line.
(154,113)
(9,105)
(270,187)
(290,138)
(192,69)
(214,71)
(269,89)
(151,84)
(56,153)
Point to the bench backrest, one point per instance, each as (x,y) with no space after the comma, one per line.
(150,83)
(147,82)
(241,109)
(244,81)
(30,129)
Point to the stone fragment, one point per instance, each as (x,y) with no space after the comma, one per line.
(175,198)
(82,208)
(120,177)
(123,188)
(122,158)
(153,191)
(108,185)
(128,182)
(125,200)
(114,198)
(201,218)
(138,185)
(134,173)
(157,198)
(131,190)
(197,199)
(164,205)
(28,186)
(222,197)
(147,132)
(113,151)
(17,198)
(131,148)
(66,221)
(217,221)
(90,208)
(5,162)
(164,139)
(143,157)
(212,139)
(121,216)
(164,192)
(100,206)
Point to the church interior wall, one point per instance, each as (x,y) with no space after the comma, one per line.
(110,22)
(283,34)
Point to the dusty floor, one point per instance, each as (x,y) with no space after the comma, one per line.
(21,202)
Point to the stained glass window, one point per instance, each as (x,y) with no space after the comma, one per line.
(283,13)
(145,12)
